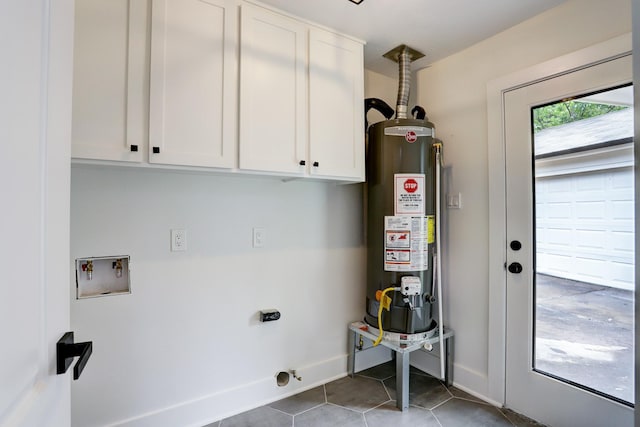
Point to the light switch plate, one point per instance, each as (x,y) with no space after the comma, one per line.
(454,201)
(259,237)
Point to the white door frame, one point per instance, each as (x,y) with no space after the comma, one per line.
(496,89)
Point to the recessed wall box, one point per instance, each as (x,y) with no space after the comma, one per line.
(102,276)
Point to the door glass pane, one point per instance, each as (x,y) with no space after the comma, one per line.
(584,234)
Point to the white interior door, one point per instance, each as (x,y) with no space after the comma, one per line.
(530,389)
(36,41)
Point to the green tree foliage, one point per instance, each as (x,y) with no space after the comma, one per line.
(567,112)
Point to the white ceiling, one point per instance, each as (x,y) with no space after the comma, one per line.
(437,28)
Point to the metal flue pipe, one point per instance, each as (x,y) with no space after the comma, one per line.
(404,84)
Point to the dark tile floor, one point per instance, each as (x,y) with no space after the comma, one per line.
(368,400)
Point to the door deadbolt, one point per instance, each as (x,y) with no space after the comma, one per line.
(515,268)
(515,245)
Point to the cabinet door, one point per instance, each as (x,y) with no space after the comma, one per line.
(193,86)
(273,101)
(336,112)
(109,95)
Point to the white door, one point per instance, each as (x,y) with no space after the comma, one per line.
(36,41)
(273,92)
(193,83)
(110,77)
(530,389)
(336,118)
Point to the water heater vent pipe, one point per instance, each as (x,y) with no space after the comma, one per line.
(403,55)
(404,85)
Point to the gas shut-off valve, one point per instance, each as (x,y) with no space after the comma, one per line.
(410,288)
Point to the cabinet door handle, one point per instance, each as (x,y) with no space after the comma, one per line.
(156,150)
(303,162)
(134,148)
(316,164)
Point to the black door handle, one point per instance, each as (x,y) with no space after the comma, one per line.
(515,268)
(66,350)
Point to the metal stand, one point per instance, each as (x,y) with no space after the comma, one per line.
(402,350)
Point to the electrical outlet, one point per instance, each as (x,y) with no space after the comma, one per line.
(178,240)
(259,237)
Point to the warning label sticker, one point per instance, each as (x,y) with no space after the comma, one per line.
(409,193)
(406,243)
(431,229)
(398,238)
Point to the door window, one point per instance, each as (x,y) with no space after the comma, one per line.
(584,241)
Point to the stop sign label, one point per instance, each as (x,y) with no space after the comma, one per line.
(411,136)
(410,185)
(409,193)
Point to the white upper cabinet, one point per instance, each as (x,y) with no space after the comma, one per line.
(301,98)
(336,105)
(193,85)
(110,76)
(222,84)
(273,94)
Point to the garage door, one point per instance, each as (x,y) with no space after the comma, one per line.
(585,220)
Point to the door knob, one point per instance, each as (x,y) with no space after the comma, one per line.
(515,245)
(515,268)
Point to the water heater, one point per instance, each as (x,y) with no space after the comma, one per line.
(402,179)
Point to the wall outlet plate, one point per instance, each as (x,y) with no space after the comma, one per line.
(178,240)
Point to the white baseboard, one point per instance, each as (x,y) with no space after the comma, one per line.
(214,407)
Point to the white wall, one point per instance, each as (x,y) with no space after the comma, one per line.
(382,87)
(454,93)
(186,347)
(190,327)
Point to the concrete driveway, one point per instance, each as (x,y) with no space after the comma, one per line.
(584,334)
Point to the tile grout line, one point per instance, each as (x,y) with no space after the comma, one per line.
(386,389)
(505,416)
(436,418)
(441,403)
(324,392)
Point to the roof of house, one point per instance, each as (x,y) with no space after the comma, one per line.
(614,126)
